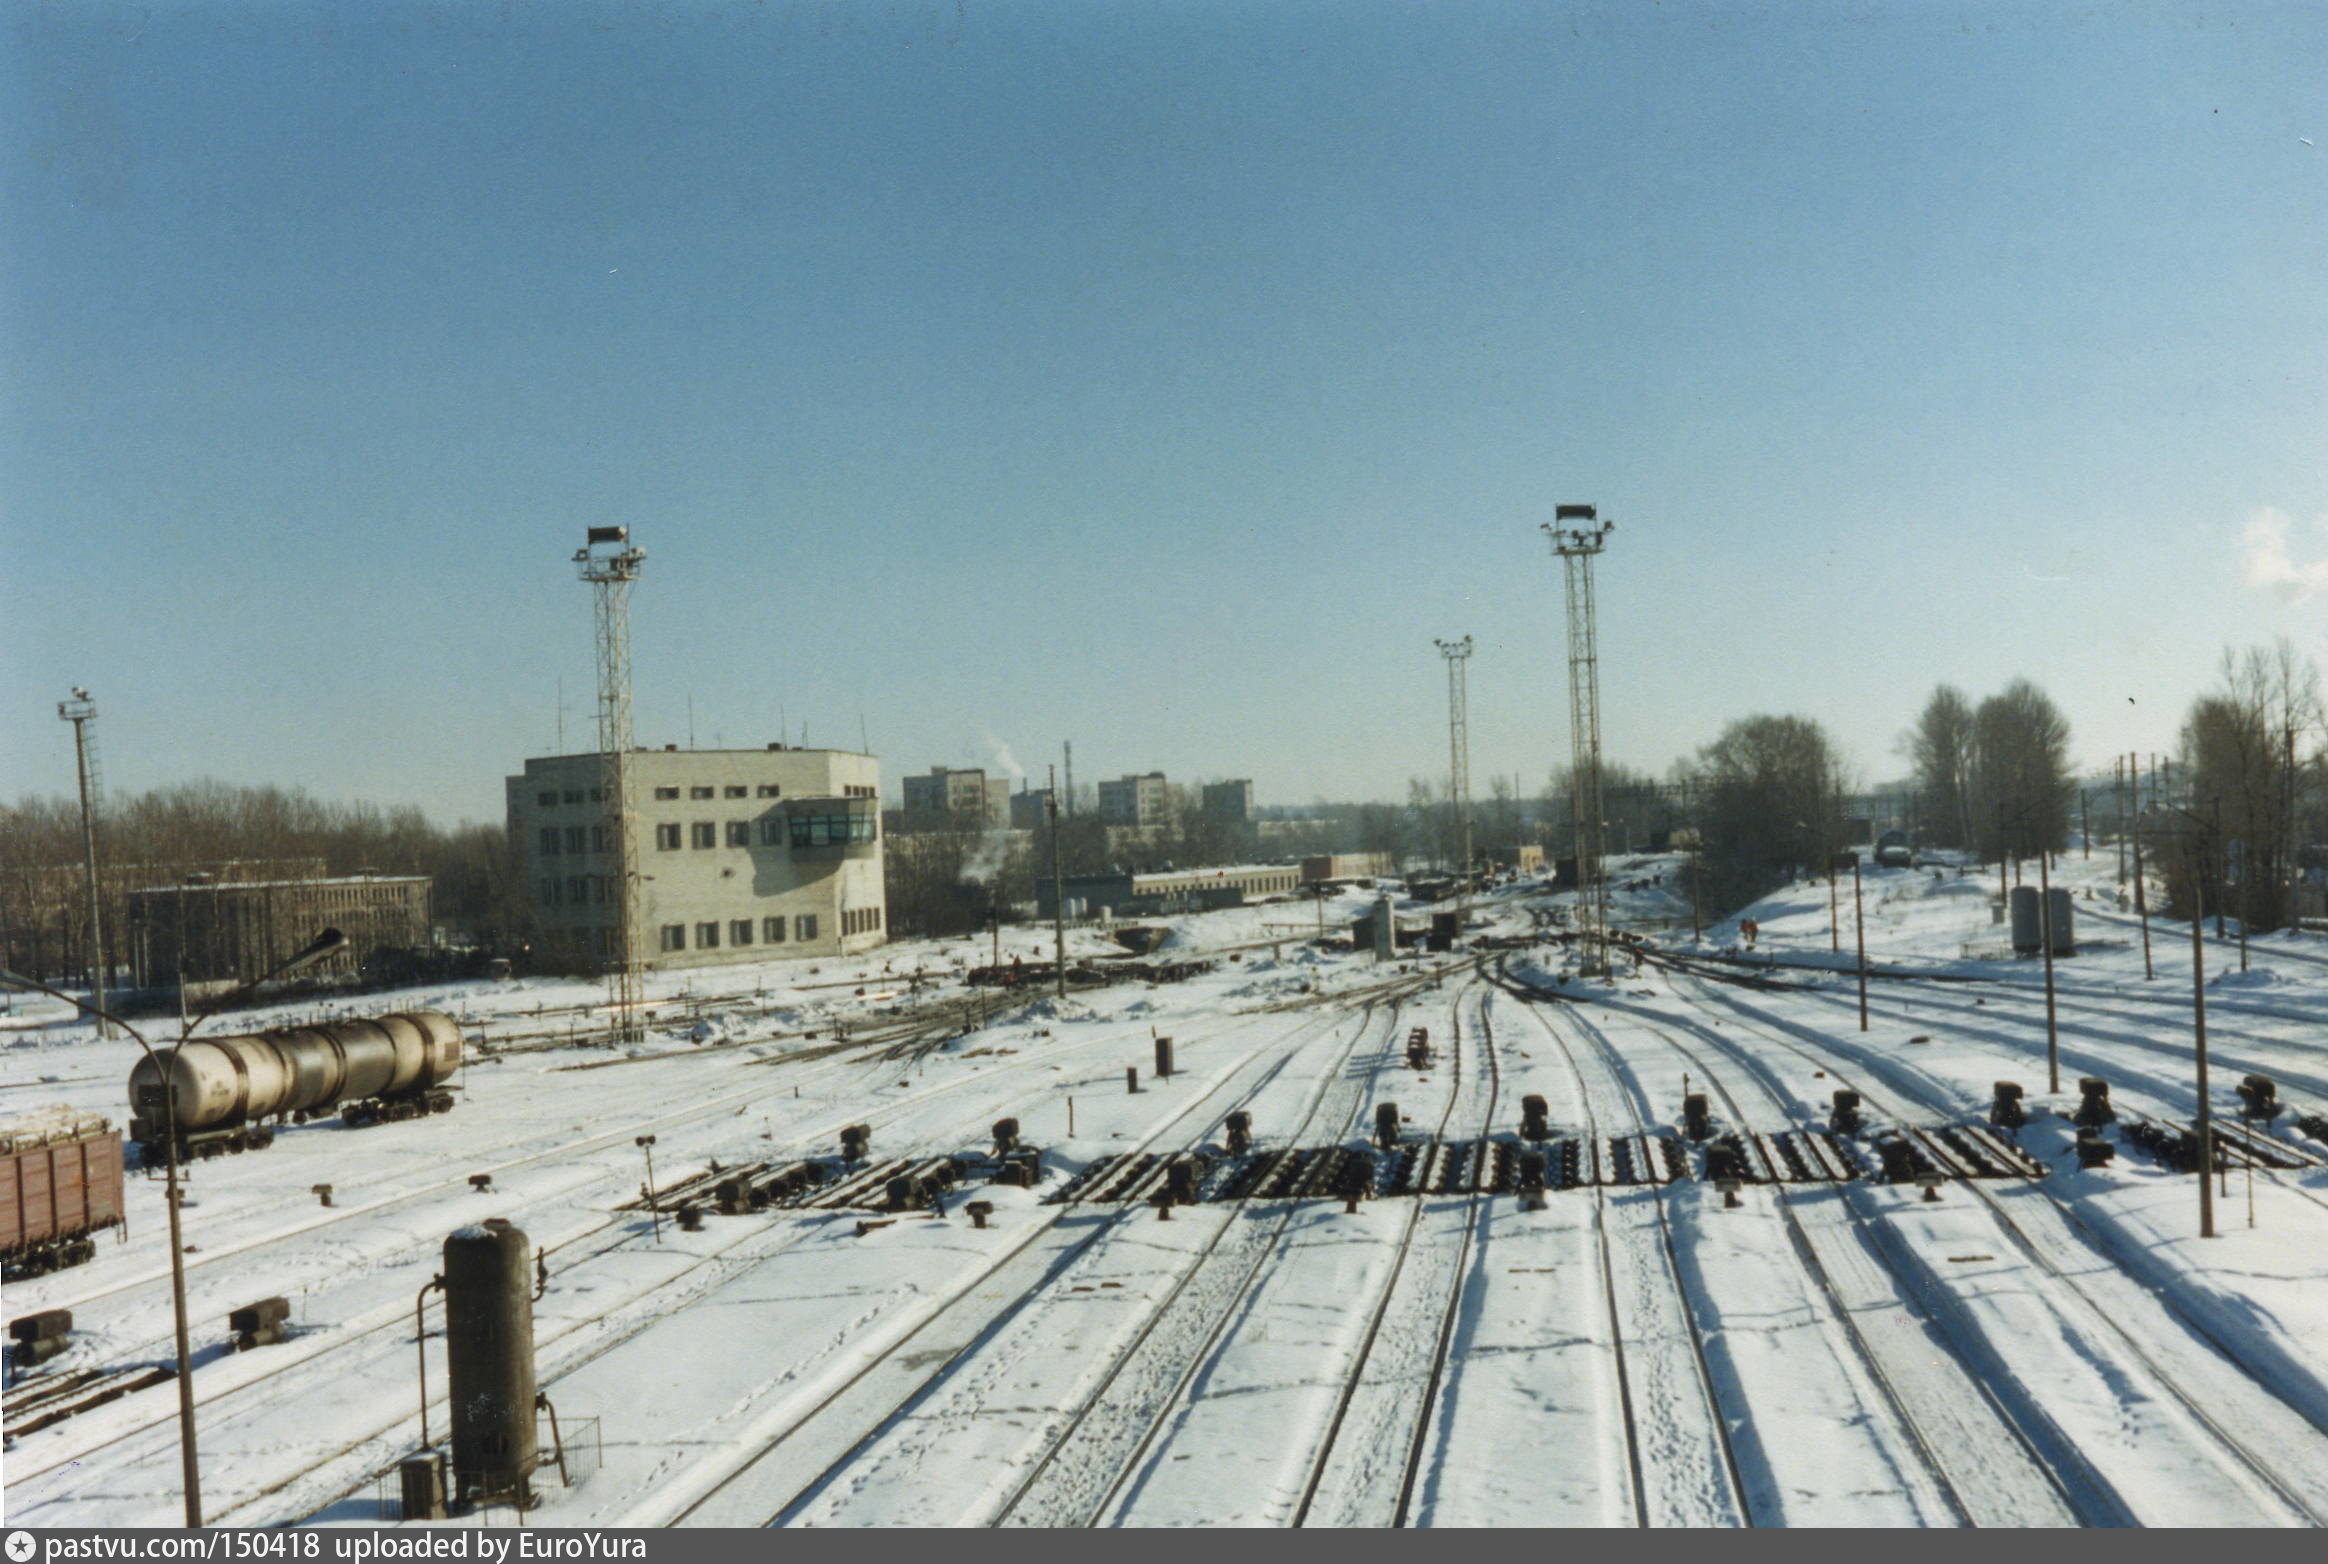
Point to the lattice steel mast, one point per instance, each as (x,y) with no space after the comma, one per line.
(1458,655)
(610,564)
(1576,547)
(81,712)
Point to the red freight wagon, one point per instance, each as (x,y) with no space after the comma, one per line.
(60,1183)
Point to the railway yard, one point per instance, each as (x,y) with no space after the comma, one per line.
(1617,1256)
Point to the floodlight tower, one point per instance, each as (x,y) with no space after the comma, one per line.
(610,564)
(81,712)
(1458,655)
(1576,546)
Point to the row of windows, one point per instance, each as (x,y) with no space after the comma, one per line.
(575,890)
(739,932)
(860,920)
(847,830)
(572,795)
(578,839)
(732,790)
(805,831)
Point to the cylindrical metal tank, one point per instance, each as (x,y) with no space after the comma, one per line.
(2027,939)
(228,1080)
(2062,910)
(489,1350)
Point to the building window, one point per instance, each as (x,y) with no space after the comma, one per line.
(738,791)
(804,926)
(739,833)
(598,890)
(772,832)
(706,833)
(575,836)
(578,889)
(573,795)
(770,790)
(772,930)
(707,936)
(841,830)
(549,841)
(739,931)
(666,792)
(701,792)
(674,936)
(546,893)
(598,839)
(598,795)
(666,837)
(546,800)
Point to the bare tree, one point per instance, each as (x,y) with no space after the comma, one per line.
(1941,748)
(2023,781)
(2240,750)
(1771,789)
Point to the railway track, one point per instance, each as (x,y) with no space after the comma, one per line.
(387,1321)
(1984,1469)
(1645,1373)
(1406,1429)
(2233,1413)
(917,1368)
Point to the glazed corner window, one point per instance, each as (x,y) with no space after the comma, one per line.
(842,830)
(674,936)
(549,841)
(739,931)
(739,833)
(666,792)
(706,834)
(772,930)
(707,936)
(666,837)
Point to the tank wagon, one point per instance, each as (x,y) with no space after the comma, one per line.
(1894,850)
(226,1090)
(60,1184)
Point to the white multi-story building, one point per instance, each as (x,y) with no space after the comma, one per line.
(741,854)
(946,798)
(1142,800)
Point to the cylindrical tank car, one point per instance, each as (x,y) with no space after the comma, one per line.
(226,1089)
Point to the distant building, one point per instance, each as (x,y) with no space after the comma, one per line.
(1029,809)
(742,854)
(1229,800)
(1186,890)
(943,798)
(1142,800)
(1344,866)
(211,936)
(1525,858)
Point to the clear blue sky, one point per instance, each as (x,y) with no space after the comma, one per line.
(1162,375)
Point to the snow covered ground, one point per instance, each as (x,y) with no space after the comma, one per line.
(2054,1350)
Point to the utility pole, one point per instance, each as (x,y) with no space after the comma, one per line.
(1577,547)
(2141,897)
(2199,1039)
(81,711)
(1058,887)
(610,564)
(2045,937)
(1458,655)
(1859,923)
